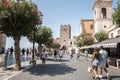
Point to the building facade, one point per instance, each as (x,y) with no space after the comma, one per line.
(65,35)
(87,26)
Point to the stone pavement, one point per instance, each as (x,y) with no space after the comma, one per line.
(68,69)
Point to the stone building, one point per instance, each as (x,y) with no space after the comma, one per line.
(87,26)
(65,35)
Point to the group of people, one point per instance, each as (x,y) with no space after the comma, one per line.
(99,60)
(56,53)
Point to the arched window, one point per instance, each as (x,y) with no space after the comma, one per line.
(104,14)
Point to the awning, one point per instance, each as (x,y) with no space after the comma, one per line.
(109,43)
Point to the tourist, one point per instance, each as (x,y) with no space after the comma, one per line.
(55,54)
(78,54)
(95,62)
(103,61)
(61,54)
(43,56)
(86,54)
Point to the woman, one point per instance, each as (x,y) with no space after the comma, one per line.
(61,54)
(55,54)
(95,62)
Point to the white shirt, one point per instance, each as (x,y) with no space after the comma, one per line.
(44,54)
(61,53)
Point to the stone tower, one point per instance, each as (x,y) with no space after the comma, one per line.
(102,15)
(65,35)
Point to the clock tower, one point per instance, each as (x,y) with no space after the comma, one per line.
(65,35)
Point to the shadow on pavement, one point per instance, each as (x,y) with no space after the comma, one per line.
(50,69)
(114,77)
(111,78)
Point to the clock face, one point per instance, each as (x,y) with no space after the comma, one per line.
(64,29)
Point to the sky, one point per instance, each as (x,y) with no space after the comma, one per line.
(61,12)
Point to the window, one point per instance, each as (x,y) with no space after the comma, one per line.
(71,43)
(118,32)
(104,13)
(111,35)
(104,26)
(91,26)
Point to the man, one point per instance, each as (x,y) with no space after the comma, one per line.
(102,63)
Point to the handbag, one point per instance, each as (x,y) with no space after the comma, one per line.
(89,69)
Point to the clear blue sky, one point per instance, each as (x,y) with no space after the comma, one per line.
(57,12)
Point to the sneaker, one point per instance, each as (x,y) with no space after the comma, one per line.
(100,76)
(108,76)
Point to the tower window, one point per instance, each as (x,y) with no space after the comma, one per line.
(104,13)
(91,26)
(104,26)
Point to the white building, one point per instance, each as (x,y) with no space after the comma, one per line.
(102,15)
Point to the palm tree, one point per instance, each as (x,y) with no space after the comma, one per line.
(18,18)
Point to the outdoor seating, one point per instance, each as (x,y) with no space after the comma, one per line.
(112,61)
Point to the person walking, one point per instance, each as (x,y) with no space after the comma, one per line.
(55,54)
(103,60)
(61,54)
(11,51)
(71,54)
(86,54)
(43,56)
(95,62)
(78,54)
(6,57)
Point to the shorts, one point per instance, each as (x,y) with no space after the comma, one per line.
(43,59)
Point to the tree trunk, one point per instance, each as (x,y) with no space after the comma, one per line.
(17,53)
(40,49)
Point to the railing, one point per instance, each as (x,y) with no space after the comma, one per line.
(84,55)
